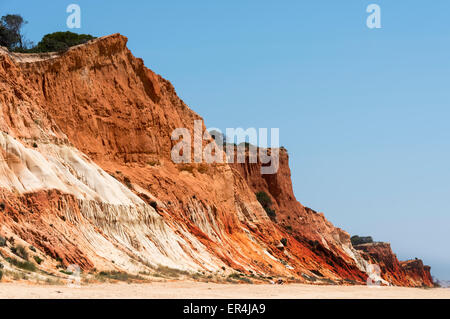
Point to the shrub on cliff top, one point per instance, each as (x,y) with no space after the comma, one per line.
(356,240)
(60,41)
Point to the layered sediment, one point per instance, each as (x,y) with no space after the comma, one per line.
(86,178)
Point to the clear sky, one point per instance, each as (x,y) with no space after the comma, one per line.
(363,112)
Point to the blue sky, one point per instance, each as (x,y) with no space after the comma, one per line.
(364,113)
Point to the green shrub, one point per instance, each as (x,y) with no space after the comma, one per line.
(37,259)
(60,41)
(357,240)
(234,275)
(265,201)
(1,275)
(26,265)
(247,280)
(2,241)
(170,272)
(271,213)
(284,241)
(20,251)
(154,204)
(117,275)
(127,182)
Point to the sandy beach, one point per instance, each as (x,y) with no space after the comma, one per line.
(197,290)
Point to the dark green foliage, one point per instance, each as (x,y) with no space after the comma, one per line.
(154,204)
(37,259)
(356,240)
(66,272)
(60,41)
(1,275)
(263,199)
(11,37)
(2,241)
(284,241)
(26,265)
(266,203)
(127,182)
(240,277)
(170,272)
(20,251)
(2,206)
(10,32)
(32,248)
(234,275)
(271,213)
(118,275)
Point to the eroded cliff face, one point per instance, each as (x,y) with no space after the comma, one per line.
(410,273)
(86,177)
(331,243)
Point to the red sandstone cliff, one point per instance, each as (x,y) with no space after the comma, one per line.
(86,178)
(410,273)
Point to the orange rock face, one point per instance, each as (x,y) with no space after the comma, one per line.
(87,179)
(407,273)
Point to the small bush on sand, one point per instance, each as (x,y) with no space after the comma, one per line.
(170,272)
(20,251)
(37,259)
(117,275)
(26,265)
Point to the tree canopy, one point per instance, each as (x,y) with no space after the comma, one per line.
(60,41)
(11,36)
(11,32)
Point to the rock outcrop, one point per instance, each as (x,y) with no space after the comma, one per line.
(401,273)
(86,178)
